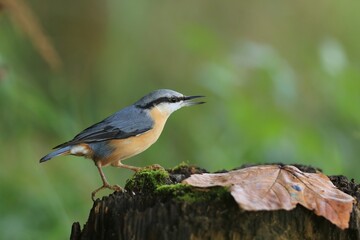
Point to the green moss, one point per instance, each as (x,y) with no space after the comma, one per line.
(158,183)
(147,180)
(187,193)
(180,166)
(173,189)
(186,169)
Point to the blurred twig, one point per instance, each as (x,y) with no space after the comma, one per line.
(3,72)
(22,16)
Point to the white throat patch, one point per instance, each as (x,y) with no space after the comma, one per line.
(169,108)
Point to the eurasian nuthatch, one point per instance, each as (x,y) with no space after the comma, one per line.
(124,134)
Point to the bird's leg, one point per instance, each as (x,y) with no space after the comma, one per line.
(136,169)
(120,165)
(105,183)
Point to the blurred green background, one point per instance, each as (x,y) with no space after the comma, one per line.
(282,80)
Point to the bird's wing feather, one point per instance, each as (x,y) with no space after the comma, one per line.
(128,122)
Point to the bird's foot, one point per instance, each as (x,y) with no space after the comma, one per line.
(120,165)
(135,169)
(115,188)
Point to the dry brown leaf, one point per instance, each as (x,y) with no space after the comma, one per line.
(274,187)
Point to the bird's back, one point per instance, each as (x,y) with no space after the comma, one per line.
(125,123)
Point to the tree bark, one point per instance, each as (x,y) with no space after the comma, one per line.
(144,212)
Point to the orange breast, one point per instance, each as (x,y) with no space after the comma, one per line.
(126,148)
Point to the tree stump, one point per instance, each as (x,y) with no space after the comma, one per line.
(156,206)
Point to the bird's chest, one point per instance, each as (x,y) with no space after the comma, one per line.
(126,148)
(135,145)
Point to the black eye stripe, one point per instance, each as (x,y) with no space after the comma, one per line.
(155,102)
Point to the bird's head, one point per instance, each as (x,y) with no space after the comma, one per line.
(167,101)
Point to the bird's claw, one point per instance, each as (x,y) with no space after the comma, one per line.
(115,188)
(136,169)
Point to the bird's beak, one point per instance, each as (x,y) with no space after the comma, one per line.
(188,100)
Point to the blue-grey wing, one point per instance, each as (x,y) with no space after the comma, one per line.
(128,122)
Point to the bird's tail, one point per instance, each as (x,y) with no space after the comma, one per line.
(58,152)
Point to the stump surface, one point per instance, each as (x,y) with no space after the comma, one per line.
(156,206)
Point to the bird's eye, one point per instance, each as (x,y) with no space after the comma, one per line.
(173,99)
